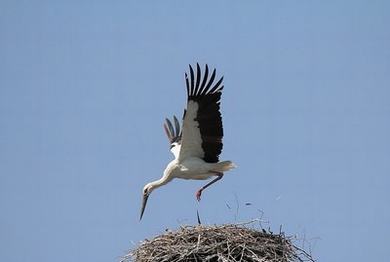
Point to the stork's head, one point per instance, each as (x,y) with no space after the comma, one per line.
(148,188)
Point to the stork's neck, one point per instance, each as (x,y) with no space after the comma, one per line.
(167,177)
(162,181)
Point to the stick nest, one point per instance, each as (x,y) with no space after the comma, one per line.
(218,243)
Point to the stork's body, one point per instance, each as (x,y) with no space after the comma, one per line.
(195,168)
(197,145)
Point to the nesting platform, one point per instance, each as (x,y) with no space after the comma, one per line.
(229,242)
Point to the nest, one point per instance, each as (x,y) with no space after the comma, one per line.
(218,243)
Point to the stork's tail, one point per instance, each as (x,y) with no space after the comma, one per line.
(224,166)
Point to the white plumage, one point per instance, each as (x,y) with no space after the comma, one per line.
(197,145)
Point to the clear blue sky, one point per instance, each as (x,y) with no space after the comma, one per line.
(85,86)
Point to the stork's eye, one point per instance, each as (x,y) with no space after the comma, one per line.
(172,145)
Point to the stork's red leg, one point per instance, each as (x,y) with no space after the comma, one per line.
(198,193)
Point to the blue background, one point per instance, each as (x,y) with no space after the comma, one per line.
(85,86)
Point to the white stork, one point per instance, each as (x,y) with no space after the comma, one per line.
(198,144)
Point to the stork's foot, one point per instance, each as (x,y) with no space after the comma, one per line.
(198,194)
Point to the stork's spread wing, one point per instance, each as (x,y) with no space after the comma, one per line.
(202,122)
(173,133)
